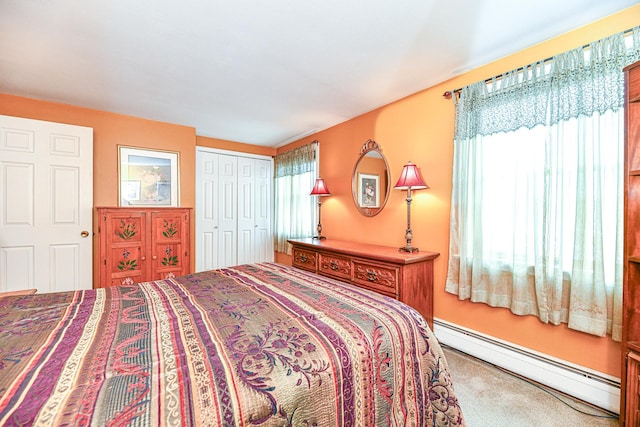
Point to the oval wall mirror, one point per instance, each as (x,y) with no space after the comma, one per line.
(370,181)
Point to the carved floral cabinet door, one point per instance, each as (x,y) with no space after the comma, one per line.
(122,248)
(139,245)
(170,231)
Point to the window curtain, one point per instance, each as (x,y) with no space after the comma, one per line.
(537,197)
(295,215)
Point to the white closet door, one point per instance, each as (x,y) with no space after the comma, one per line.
(207,192)
(246,210)
(216,211)
(46,203)
(263,201)
(233,209)
(227,204)
(255,240)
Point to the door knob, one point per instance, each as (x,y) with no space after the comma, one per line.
(84,233)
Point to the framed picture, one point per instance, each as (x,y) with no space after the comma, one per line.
(368,190)
(147,177)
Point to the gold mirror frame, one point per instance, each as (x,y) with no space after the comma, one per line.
(370,182)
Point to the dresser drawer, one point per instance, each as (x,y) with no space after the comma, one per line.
(379,277)
(335,266)
(302,258)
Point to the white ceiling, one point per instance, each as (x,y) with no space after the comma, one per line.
(257,71)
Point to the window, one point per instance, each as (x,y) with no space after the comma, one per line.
(536,216)
(295,212)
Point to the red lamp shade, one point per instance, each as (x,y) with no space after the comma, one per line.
(320,188)
(410,178)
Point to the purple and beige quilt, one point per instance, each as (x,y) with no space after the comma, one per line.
(253,345)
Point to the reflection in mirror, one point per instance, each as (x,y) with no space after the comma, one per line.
(370,180)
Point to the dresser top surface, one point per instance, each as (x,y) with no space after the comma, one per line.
(387,253)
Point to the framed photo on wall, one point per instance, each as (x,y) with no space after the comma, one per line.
(368,190)
(148,177)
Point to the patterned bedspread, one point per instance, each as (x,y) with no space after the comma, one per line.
(259,344)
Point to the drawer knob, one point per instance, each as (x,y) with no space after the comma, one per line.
(333,265)
(372,276)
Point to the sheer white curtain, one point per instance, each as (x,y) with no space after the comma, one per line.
(536,216)
(295,212)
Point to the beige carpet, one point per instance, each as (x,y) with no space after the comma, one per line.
(494,398)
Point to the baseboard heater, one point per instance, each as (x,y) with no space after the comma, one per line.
(590,386)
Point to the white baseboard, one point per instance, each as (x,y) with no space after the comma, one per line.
(590,386)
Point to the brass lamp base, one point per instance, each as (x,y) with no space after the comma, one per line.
(408,248)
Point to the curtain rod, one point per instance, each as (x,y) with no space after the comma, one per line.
(448,94)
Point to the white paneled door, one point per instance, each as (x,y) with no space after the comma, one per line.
(46,202)
(233,208)
(216,210)
(255,239)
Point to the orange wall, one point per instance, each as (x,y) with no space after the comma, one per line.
(221,144)
(419,128)
(111,130)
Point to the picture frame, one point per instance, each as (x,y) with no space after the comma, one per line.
(148,177)
(368,190)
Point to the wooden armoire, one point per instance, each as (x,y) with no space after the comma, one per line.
(142,244)
(630,378)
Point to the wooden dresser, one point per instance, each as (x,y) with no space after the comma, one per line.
(407,277)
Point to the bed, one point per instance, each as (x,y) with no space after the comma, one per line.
(257,344)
